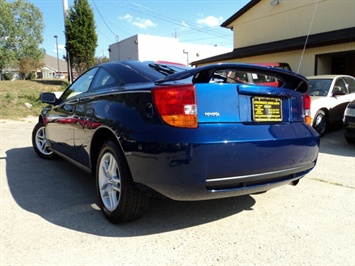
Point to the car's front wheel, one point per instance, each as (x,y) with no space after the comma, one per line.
(39,142)
(119,198)
(320,122)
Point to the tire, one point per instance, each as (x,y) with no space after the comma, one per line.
(320,122)
(119,198)
(39,142)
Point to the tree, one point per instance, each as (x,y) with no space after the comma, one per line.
(101,59)
(21,27)
(27,66)
(7,29)
(81,38)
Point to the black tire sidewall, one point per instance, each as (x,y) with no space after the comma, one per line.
(35,130)
(324,118)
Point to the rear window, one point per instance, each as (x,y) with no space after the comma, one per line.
(235,76)
(131,72)
(168,69)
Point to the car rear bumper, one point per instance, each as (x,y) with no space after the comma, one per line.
(216,161)
(255,179)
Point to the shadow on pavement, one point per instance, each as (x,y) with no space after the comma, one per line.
(333,142)
(64,195)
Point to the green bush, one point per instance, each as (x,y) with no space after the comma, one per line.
(32,76)
(8,76)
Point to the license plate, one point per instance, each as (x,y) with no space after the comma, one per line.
(267,109)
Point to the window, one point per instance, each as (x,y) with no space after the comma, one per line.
(319,87)
(80,85)
(104,79)
(236,76)
(339,86)
(350,84)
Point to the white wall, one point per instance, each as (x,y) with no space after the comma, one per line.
(155,48)
(124,50)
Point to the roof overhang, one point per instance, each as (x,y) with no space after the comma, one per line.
(240,12)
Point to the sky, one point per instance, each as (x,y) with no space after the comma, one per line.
(193,21)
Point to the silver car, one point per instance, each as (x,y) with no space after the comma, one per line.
(330,94)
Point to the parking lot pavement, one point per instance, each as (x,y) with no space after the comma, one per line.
(337,161)
(49,216)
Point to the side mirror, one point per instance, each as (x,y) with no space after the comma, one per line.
(338,93)
(48,97)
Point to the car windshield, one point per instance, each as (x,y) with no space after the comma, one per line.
(319,87)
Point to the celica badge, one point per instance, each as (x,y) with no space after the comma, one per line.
(213,114)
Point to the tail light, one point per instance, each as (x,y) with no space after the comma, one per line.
(177,105)
(307,108)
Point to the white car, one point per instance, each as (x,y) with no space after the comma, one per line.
(59,76)
(330,95)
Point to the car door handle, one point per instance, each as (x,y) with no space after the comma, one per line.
(68,108)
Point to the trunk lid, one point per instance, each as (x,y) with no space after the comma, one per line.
(224,96)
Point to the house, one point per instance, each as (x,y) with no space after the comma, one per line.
(155,48)
(314,37)
(52,66)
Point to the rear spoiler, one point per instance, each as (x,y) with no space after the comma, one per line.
(291,80)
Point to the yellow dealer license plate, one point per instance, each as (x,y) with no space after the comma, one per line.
(267,109)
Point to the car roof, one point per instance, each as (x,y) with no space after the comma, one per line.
(327,76)
(133,71)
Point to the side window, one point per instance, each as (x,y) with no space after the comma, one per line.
(80,85)
(104,79)
(350,82)
(339,86)
(239,75)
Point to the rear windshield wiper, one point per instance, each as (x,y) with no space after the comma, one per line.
(165,70)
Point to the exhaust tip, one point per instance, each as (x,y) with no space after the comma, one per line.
(294,183)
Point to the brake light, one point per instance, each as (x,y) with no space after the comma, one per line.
(177,105)
(307,108)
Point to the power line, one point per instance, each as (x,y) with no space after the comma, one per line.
(98,11)
(176,21)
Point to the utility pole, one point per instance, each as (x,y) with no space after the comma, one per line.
(56,42)
(65,10)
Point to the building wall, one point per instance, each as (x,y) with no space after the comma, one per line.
(304,62)
(265,23)
(124,50)
(155,48)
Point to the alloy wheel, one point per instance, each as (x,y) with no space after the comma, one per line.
(109,181)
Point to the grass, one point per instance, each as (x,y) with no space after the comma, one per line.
(16,94)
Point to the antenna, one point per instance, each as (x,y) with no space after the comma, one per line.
(309,31)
